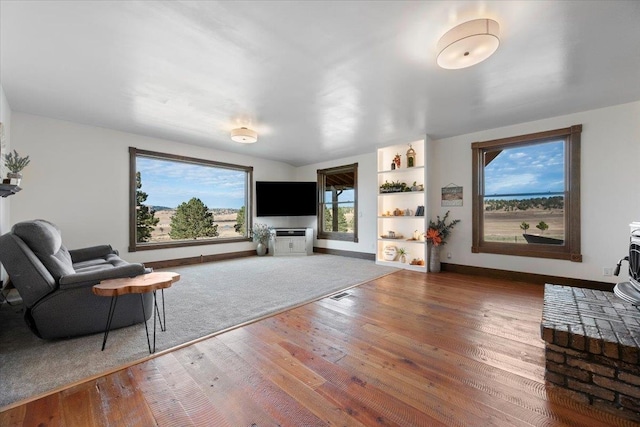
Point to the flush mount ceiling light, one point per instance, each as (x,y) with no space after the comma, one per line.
(468,44)
(244,135)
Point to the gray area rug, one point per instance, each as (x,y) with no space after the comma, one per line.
(208,298)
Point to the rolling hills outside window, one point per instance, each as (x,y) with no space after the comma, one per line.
(526,195)
(338,192)
(181,201)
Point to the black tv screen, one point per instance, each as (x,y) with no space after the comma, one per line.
(280,198)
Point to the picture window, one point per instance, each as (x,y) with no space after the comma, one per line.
(526,193)
(181,201)
(338,192)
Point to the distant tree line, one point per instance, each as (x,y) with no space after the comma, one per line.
(547,203)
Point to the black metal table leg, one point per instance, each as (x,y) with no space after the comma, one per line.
(164,315)
(112,309)
(156,311)
(144,316)
(155,308)
(163,321)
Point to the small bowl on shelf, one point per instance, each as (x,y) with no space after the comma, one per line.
(393,236)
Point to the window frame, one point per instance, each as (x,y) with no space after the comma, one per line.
(135,246)
(570,250)
(337,235)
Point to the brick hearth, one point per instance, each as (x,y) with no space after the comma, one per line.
(592,341)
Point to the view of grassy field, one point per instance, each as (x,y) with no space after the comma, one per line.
(504,226)
(161,231)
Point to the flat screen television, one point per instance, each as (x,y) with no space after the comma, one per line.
(286,198)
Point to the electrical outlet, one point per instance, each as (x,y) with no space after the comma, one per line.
(607,271)
(448,255)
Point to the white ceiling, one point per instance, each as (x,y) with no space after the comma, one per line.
(318,80)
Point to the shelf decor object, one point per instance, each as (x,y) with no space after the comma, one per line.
(401,190)
(14,163)
(411,157)
(390,253)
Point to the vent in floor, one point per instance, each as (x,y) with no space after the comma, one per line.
(340,295)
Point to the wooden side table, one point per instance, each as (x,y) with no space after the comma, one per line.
(150,282)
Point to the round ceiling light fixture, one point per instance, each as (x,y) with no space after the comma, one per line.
(468,44)
(244,135)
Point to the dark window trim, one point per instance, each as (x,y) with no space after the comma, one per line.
(571,249)
(136,246)
(335,235)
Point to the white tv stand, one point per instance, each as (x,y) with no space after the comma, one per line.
(292,241)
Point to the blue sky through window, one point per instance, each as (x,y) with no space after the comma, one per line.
(529,169)
(345,199)
(170,183)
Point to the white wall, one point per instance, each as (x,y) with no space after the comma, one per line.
(5,119)
(79,179)
(367,206)
(610,198)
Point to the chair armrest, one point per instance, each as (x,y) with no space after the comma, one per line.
(91,278)
(93,252)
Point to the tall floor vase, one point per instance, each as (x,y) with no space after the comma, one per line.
(434,259)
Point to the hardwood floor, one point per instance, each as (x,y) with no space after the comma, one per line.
(408,349)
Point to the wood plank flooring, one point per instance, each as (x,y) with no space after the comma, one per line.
(408,349)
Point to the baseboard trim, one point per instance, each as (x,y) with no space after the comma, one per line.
(350,254)
(198,259)
(540,279)
(517,276)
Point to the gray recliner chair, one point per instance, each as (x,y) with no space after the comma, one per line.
(55,284)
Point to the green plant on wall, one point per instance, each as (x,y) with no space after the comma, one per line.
(14,162)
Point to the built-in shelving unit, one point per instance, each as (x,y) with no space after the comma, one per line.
(397,210)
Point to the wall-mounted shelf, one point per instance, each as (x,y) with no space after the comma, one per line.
(400,171)
(402,241)
(8,190)
(401,217)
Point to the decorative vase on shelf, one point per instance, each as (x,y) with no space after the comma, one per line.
(14,178)
(261,249)
(411,157)
(434,259)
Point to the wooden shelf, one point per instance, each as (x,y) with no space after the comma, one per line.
(401,217)
(8,190)
(400,170)
(395,193)
(382,239)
